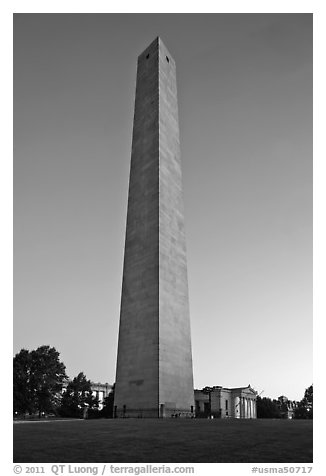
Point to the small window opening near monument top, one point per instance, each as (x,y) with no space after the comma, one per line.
(167,59)
(147,56)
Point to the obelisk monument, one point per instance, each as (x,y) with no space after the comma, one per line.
(154,367)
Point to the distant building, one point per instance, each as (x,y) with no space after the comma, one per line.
(219,402)
(100,390)
(287,407)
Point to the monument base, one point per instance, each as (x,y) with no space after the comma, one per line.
(161,412)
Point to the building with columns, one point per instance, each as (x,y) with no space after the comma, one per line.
(219,402)
(98,389)
(101,391)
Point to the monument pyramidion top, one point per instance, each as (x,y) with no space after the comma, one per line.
(157,47)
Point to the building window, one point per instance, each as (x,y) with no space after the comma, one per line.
(226,404)
(147,56)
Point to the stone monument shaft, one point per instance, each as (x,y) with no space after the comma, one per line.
(154,366)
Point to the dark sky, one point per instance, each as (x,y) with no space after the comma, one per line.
(245,111)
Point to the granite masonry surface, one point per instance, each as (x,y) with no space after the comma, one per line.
(154,367)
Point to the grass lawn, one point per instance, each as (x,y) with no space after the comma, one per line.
(163,441)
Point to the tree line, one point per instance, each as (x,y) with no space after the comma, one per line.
(268,408)
(271,408)
(41,386)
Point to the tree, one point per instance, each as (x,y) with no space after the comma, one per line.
(267,408)
(308,400)
(22,397)
(78,397)
(107,410)
(38,380)
(46,378)
(69,404)
(304,408)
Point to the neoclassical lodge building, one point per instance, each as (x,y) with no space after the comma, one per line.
(219,402)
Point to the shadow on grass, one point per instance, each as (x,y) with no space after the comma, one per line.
(164,441)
